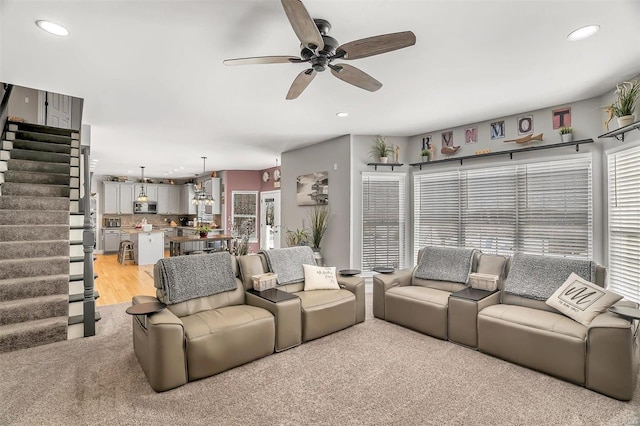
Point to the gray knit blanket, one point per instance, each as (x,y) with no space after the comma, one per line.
(445,264)
(189,277)
(538,277)
(287,263)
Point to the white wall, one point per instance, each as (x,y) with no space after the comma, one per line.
(20,108)
(333,156)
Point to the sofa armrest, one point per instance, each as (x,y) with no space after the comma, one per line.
(288,316)
(356,286)
(383,282)
(159,345)
(613,355)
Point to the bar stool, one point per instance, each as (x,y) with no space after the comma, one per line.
(126,252)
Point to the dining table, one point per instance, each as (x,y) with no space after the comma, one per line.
(177,244)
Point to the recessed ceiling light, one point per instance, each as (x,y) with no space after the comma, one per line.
(53,28)
(583,32)
(342,114)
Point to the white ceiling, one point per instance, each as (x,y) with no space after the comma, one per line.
(157,93)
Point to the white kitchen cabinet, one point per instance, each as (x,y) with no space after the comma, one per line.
(163,199)
(212,187)
(175,193)
(149,247)
(150,189)
(187,194)
(118,198)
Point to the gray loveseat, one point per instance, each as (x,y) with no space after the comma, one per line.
(516,325)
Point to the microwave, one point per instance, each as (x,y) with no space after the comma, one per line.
(150,207)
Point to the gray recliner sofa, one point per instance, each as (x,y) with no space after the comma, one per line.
(514,325)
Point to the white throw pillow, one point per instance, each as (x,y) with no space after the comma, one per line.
(320,278)
(581,300)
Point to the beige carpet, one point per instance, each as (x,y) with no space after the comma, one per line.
(373,373)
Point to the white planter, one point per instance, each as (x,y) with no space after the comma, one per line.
(384,160)
(567,137)
(626,120)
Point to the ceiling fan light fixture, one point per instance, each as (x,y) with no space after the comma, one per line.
(583,32)
(52,28)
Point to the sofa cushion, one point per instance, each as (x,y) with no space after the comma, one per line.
(423,294)
(422,309)
(538,277)
(581,300)
(535,318)
(445,264)
(220,339)
(320,278)
(326,311)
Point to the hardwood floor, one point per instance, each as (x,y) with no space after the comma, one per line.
(119,283)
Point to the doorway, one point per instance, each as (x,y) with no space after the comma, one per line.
(269,220)
(54,110)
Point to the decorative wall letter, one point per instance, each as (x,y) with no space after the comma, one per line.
(471,135)
(561,117)
(525,125)
(497,130)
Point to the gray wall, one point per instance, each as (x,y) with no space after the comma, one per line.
(587,118)
(360,148)
(318,158)
(18,107)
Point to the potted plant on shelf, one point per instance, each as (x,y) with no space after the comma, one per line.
(426,155)
(566,133)
(203,230)
(625,106)
(381,149)
(318,223)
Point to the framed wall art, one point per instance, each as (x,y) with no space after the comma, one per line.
(471,135)
(313,189)
(525,124)
(447,139)
(497,129)
(561,117)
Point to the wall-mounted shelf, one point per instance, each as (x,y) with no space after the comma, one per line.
(619,133)
(392,165)
(509,152)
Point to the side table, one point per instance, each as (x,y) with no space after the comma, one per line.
(287,310)
(462,320)
(145,308)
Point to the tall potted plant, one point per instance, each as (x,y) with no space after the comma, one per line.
(380,149)
(318,224)
(625,106)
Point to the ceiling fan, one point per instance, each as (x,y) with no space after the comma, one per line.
(320,50)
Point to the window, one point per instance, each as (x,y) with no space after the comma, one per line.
(383,220)
(540,208)
(624,223)
(244,214)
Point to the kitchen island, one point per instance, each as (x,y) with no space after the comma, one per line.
(147,245)
(182,245)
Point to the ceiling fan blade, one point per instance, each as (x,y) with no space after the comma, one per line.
(300,83)
(377,44)
(353,75)
(302,24)
(262,60)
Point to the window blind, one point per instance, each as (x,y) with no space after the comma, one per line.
(624,223)
(383,220)
(541,208)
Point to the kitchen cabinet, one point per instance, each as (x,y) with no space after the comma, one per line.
(125,236)
(110,240)
(150,189)
(175,194)
(168,233)
(149,247)
(212,187)
(187,194)
(163,199)
(118,198)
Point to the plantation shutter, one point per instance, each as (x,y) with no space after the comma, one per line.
(383,220)
(489,209)
(555,208)
(436,210)
(624,223)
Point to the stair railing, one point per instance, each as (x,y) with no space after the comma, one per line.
(8,88)
(88,243)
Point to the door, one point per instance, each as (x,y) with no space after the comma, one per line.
(58,109)
(269,220)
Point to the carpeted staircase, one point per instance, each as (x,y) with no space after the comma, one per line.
(36,186)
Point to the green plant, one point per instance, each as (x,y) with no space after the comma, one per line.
(425,153)
(380,147)
(319,222)
(202,229)
(298,237)
(565,130)
(627,93)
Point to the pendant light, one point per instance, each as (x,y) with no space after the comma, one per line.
(200,194)
(142,197)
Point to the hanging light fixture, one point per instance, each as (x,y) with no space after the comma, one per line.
(200,194)
(142,197)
